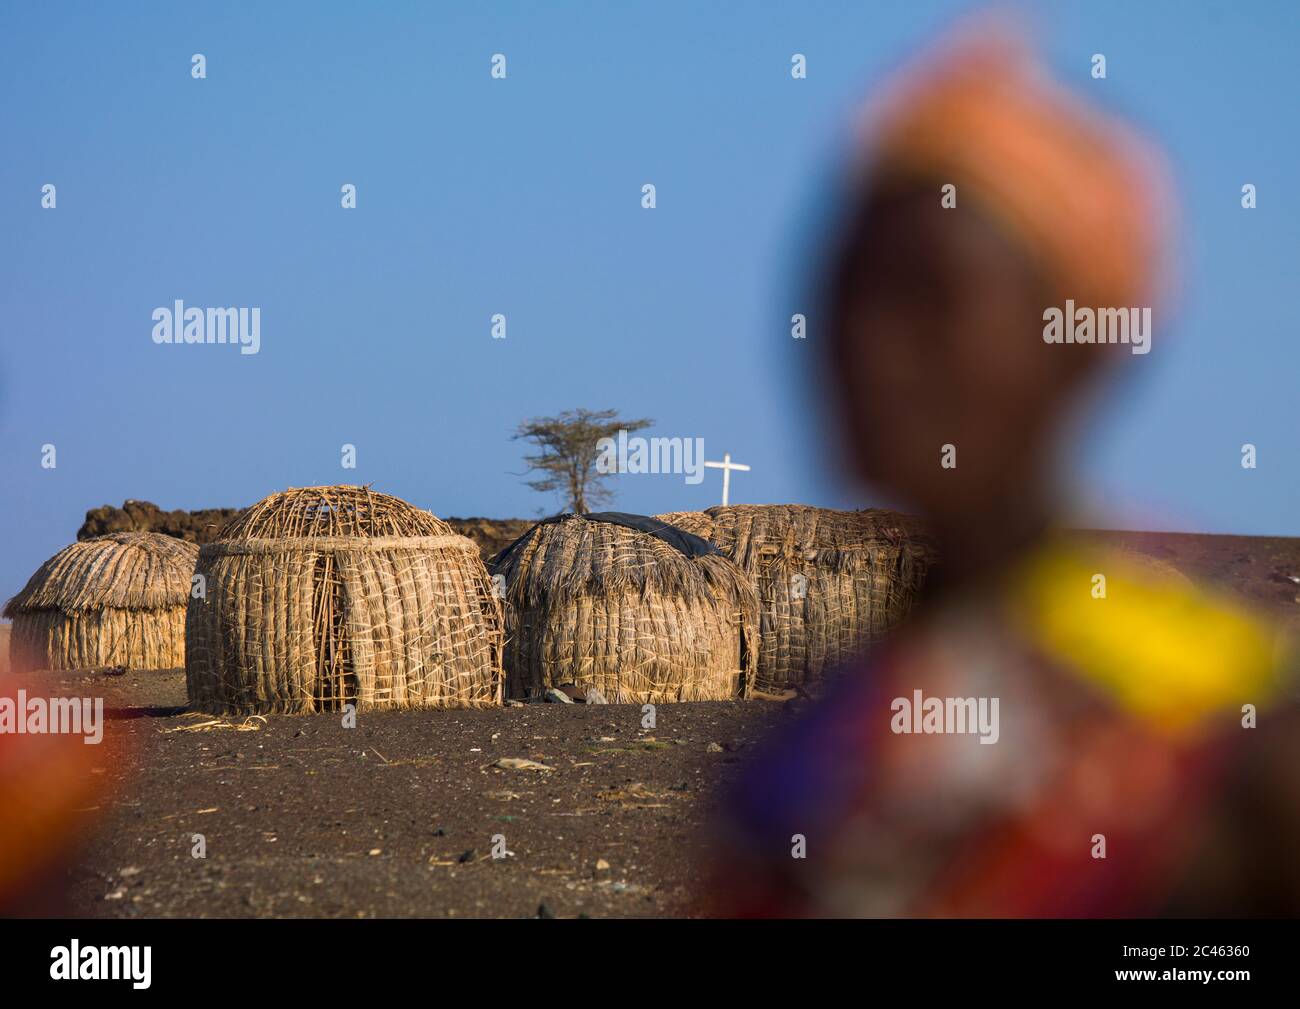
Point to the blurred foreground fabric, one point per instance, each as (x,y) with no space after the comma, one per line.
(1122,721)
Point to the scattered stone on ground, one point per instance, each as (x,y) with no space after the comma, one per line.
(429,807)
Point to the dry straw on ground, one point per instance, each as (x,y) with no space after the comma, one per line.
(828,582)
(320,597)
(606,606)
(116,600)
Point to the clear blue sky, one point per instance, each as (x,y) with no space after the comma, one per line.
(523,197)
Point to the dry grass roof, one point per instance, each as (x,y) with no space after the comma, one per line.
(124,571)
(557,562)
(755,535)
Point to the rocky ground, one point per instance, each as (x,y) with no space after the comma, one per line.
(399,816)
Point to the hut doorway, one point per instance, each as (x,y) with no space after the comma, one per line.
(336,678)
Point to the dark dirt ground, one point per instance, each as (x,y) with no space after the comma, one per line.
(396,816)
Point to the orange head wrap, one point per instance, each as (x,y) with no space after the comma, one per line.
(1079,192)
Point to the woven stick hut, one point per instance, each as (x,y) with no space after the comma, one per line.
(116,600)
(828,582)
(319,597)
(643,616)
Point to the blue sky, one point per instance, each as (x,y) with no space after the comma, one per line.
(522,196)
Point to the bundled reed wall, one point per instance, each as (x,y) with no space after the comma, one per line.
(601,605)
(116,600)
(324,596)
(828,582)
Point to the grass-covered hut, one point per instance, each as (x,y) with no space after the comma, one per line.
(630,606)
(116,600)
(828,582)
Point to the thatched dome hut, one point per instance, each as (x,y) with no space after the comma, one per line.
(640,611)
(116,600)
(320,597)
(828,582)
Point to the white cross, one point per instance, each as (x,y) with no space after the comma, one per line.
(726,466)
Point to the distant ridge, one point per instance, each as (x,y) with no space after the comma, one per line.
(145,516)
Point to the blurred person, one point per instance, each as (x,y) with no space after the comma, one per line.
(52,786)
(1025,746)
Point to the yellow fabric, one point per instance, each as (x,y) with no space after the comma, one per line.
(1163,649)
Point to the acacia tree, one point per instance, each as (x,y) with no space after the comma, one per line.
(567,452)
